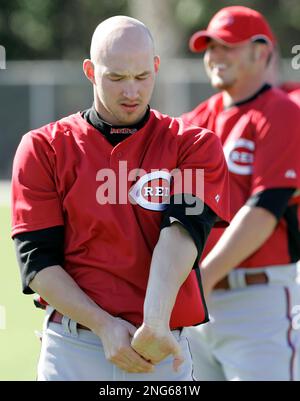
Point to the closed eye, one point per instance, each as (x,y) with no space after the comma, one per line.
(115,77)
(142,76)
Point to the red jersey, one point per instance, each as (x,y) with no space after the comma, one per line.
(261,142)
(67,173)
(293,90)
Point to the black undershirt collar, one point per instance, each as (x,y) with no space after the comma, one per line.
(264,88)
(114,134)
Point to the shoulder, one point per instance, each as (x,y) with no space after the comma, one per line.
(53,130)
(276,119)
(295,96)
(181,129)
(290,86)
(199,113)
(163,124)
(43,139)
(276,107)
(277,100)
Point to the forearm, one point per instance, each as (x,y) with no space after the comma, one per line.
(248,231)
(58,288)
(61,292)
(172,261)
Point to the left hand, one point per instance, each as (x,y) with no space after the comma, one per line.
(155,344)
(116,335)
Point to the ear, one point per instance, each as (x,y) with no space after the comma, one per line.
(156,63)
(89,70)
(256,52)
(269,54)
(261,52)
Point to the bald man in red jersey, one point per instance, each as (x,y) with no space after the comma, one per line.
(111,210)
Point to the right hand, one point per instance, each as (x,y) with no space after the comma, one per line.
(116,336)
(156,344)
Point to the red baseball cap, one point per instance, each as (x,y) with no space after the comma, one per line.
(232,26)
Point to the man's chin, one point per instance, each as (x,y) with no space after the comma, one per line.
(220,84)
(131,118)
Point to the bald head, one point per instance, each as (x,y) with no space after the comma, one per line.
(120,34)
(122,69)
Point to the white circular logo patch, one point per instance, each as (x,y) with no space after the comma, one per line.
(240,156)
(152,191)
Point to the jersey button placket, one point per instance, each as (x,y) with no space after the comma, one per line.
(116,157)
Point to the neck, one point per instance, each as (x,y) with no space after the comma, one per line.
(238,93)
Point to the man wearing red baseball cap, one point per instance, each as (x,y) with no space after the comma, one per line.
(233,26)
(249,269)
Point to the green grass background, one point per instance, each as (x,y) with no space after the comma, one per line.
(19,347)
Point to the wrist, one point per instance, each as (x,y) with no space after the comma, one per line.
(156,324)
(158,309)
(100,320)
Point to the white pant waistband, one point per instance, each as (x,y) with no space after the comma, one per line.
(277,274)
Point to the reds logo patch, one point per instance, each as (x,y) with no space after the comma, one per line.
(152,191)
(239,156)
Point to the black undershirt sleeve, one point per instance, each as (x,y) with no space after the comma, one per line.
(198,225)
(37,250)
(275,200)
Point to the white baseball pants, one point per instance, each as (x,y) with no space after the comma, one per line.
(71,354)
(254,331)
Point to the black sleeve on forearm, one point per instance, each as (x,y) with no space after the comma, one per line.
(274,200)
(37,250)
(198,225)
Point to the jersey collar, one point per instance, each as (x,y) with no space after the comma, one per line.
(264,88)
(92,116)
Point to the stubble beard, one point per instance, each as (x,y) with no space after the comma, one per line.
(220,84)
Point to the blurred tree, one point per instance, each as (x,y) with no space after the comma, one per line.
(56,29)
(52,29)
(160,17)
